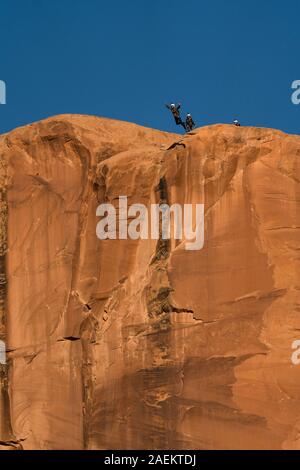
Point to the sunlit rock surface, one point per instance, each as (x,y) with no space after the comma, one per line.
(141,344)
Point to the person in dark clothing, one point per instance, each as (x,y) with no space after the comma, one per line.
(176,113)
(189,123)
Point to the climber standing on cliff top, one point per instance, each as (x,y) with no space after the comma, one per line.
(176,114)
(189,123)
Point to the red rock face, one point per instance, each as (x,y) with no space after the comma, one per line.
(141,344)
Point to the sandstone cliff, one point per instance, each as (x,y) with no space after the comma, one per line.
(137,343)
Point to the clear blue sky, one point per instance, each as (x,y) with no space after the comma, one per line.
(125,59)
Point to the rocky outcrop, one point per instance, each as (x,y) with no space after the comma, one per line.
(141,343)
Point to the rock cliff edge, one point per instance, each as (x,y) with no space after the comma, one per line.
(141,344)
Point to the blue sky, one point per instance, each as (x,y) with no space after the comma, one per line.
(125,59)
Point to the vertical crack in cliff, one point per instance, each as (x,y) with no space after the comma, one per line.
(163,246)
(87,326)
(157,298)
(158,290)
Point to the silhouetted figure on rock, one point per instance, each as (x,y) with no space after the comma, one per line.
(189,123)
(176,114)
